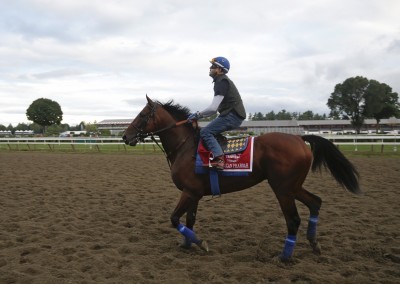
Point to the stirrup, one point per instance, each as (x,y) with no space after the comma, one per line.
(218,164)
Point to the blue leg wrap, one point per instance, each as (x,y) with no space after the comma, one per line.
(188,234)
(290,242)
(312,227)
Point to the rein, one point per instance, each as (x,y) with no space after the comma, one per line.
(179,123)
(168,155)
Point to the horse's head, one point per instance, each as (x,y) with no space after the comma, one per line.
(142,125)
(154,119)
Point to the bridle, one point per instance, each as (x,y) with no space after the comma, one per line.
(141,134)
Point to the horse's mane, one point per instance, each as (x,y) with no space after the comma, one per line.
(177,111)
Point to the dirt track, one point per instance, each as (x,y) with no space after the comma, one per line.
(95,218)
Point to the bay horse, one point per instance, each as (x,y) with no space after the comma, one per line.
(284,160)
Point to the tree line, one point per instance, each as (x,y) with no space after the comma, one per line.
(52,130)
(284,115)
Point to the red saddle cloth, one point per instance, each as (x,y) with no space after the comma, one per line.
(238,153)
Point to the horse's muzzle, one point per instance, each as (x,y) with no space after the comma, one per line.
(133,142)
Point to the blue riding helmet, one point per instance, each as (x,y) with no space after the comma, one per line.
(221,62)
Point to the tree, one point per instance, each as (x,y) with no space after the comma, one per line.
(54,130)
(380,102)
(10,128)
(319,117)
(35,127)
(258,116)
(348,99)
(91,127)
(359,98)
(307,115)
(283,115)
(44,112)
(22,126)
(270,116)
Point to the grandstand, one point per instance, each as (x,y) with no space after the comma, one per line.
(5,133)
(18,133)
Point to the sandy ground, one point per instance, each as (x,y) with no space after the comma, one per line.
(99,218)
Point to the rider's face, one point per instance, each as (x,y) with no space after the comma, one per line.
(214,71)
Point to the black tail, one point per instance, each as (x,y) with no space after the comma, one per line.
(327,154)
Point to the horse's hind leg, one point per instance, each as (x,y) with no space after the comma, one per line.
(313,203)
(292,218)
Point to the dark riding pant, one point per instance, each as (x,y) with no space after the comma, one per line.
(217,126)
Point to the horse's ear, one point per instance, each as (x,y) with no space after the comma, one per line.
(149,100)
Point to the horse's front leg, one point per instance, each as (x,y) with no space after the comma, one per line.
(187,204)
(190,221)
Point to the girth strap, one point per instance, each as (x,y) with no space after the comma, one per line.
(214,182)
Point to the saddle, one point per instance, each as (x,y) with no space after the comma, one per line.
(238,153)
(232,144)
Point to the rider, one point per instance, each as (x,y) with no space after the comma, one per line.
(228,103)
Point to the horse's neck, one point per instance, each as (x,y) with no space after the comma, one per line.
(177,141)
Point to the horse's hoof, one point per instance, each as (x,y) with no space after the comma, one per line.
(185,245)
(203,245)
(279,260)
(316,247)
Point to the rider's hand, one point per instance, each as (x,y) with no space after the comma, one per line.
(193,116)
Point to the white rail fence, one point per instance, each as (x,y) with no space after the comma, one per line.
(371,142)
(390,142)
(71,143)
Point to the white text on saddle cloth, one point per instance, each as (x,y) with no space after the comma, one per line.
(239,161)
(232,161)
(232,158)
(237,166)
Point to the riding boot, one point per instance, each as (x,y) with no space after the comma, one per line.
(218,163)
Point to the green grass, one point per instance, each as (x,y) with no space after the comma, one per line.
(370,150)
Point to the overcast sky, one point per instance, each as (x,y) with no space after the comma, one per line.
(98,59)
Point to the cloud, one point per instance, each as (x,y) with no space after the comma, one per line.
(99,59)
(394,46)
